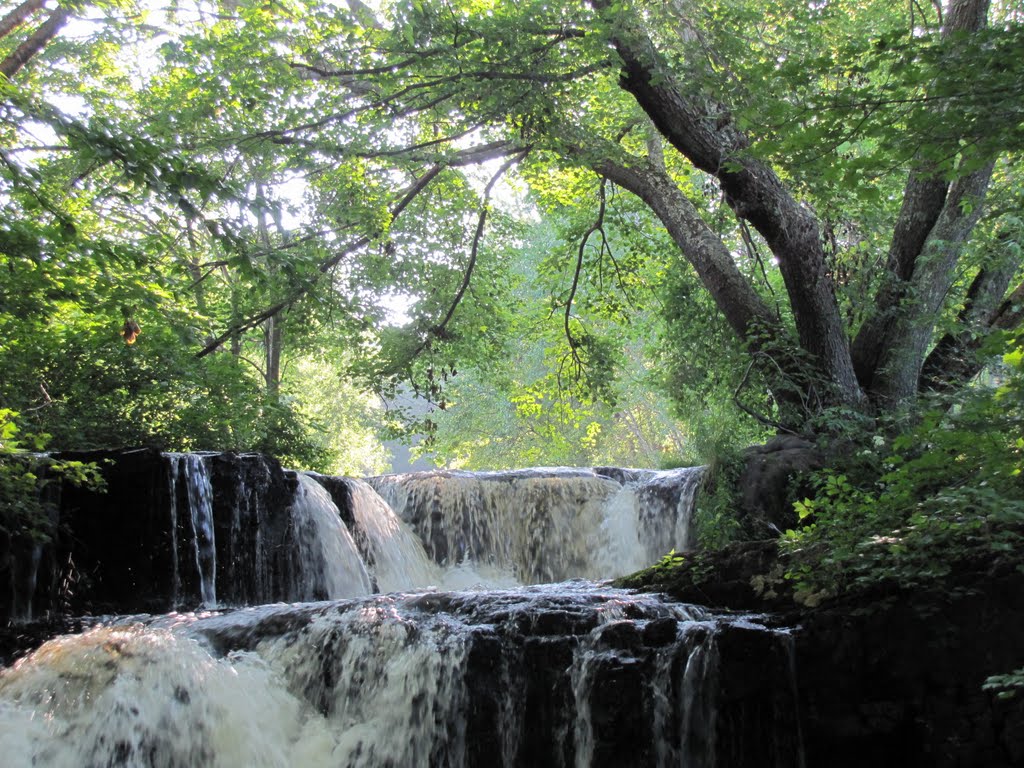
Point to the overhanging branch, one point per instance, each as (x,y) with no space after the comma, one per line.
(38,40)
(596,227)
(325,267)
(438,330)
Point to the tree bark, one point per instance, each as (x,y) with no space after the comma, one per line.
(899,366)
(744,310)
(38,40)
(955,360)
(273,338)
(701,129)
(924,200)
(17,17)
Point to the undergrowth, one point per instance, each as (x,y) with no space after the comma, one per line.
(905,502)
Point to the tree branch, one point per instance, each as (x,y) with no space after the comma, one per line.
(38,40)
(597,226)
(896,377)
(743,308)
(322,269)
(438,330)
(18,16)
(924,200)
(955,359)
(702,130)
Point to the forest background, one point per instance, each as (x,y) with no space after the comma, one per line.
(524,233)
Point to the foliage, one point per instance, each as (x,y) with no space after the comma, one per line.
(675,572)
(714,516)
(26,510)
(257,187)
(524,394)
(904,505)
(344,422)
(1005,686)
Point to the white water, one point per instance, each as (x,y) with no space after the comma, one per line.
(329,565)
(395,555)
(369,683)
(395,680)
(543,526)
(190,469)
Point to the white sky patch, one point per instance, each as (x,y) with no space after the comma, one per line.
(396,307)
(293,191)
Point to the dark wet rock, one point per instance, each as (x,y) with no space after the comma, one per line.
(897,680)
(887,675)
(660,632)
(129,548)
(765,504)
(743,576)
(340,489)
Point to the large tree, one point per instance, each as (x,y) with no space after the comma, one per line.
(840,178)
(816,128)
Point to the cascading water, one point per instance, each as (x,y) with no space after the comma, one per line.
(571,674)
(560,676)
(327,564)
(189,471)
(391,550)
(546,525)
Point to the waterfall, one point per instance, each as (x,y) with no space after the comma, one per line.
(326,565)
(184,531)
(189,472)
(391,550)
(487,672)
(556,676)
(546,525)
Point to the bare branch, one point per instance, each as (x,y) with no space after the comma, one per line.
(597,226)
(758,417)
(438,330)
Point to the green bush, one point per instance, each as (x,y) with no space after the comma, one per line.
(905,503)
(714,517)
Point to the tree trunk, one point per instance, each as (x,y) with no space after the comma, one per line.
(896,307)
(702,131)
(899,367)
(744,310)
(923,199)
(17,17)
(273,332)
(955,360)
(38,40)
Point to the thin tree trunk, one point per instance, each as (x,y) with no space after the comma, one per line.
(955,360)
(273,326)
(273,334)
